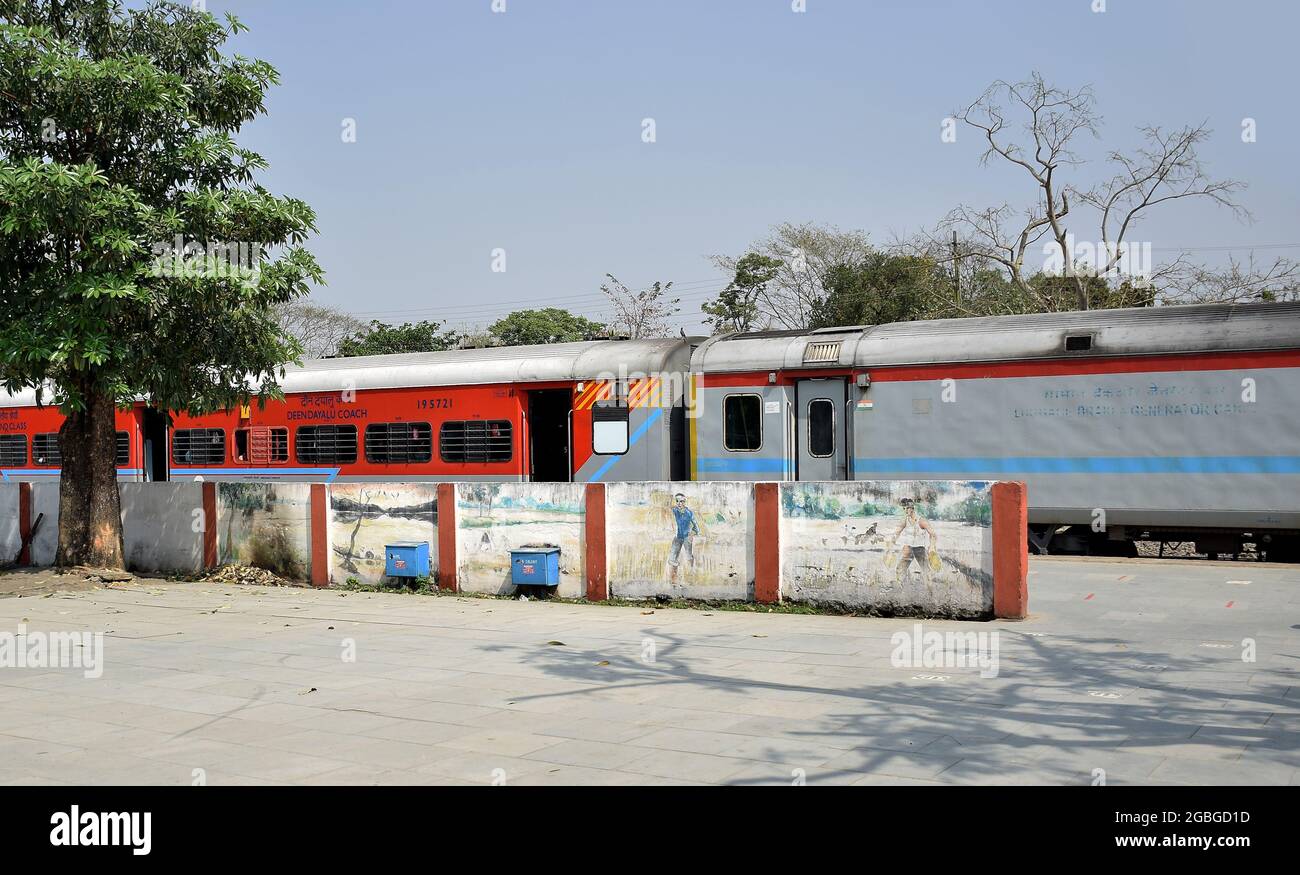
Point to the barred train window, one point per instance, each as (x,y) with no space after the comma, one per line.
(199,446)
(476,441)
(742,423)
(123,449)
(279,445)
(13,450)
(326,443)
(399,442)
(259,444)
(45,449)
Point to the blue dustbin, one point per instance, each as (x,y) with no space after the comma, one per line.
(535,565)
(406,559)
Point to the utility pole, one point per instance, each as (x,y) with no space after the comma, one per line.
(956,271)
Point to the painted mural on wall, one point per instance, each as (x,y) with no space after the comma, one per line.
(494,518)
(683,540)
(898,546)
(265,525)
(367,516)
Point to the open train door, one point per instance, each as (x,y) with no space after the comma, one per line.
(820,429)
(153,432)
(549,443)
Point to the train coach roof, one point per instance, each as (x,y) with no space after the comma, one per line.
(555,362)
(1136,331)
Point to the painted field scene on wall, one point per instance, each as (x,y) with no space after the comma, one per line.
(896,546)
(265,525)
(683,540)
(367,516)
(494,518)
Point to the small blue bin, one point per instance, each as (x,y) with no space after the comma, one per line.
(406,559)
(535,565)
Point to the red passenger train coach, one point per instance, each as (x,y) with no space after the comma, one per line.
(563,412)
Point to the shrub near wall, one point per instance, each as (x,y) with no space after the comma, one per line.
(266,525)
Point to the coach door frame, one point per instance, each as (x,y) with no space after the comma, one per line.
(155,445)
(833,390)
(536,402)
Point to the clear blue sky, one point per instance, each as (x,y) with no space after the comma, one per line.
(522,130)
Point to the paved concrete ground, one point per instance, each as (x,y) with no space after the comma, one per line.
(1134,668)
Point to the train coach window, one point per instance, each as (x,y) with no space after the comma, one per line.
(13,450)
(199,446)
(476,440)
(279,445)
(609,428)
(45,449)
(399,442)
(326,443)
(123,450)
(261,445)
(742,423)
(821,428)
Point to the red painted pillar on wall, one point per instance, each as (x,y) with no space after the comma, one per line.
(209,525)
(767,543)
(597,569)
(25,522)
(1010,551)
(320,535)
(447,537)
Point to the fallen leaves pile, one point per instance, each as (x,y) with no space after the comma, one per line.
(247,575)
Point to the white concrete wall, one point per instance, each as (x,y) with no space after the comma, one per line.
(162,526)
(45,500)
(10,539)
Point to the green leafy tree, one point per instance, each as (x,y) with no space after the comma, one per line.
(383,339)
(880,288)
(737,307)
(549,325)
(136,250)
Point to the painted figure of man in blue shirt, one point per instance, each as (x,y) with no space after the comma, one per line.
(687,529)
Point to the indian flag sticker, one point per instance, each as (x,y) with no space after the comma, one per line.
(865,404)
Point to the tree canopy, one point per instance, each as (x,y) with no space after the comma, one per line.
(549,325)
(138,256)
(384,339)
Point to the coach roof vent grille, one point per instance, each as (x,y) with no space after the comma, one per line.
(822,353)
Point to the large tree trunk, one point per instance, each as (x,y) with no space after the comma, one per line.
(90,510)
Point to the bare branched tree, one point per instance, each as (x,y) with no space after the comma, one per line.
(318,328)
(1237,283)
(806,253)
(639,314)
(1165,168)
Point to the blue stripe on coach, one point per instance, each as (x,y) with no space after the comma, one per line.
(1082,465)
